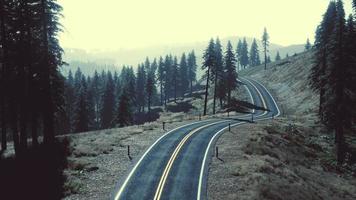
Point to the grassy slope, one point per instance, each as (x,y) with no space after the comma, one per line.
(288,158)
(288,81)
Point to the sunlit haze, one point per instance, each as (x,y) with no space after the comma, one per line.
(127,24)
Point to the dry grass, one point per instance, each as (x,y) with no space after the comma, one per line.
(273,161)
(288,82)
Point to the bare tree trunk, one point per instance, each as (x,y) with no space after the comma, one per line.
(229,97)
(48,118)
(175,89)
(341,145)
(34,124)
(265,51)
(206,91)
(14,127)
(215,89)
(161,88)
(3,76)
(191,87)
(23,79)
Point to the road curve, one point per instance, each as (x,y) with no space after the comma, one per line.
(176,165)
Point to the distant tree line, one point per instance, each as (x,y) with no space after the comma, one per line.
(31,86)
(334,73)
(109,99)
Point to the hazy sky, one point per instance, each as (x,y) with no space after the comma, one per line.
(116,24)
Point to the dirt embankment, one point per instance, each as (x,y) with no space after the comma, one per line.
(275,160)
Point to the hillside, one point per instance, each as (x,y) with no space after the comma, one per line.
(291,157)
(288,81)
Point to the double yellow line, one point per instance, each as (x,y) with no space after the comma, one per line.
(168,167)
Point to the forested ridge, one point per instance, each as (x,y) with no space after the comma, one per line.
(109,99)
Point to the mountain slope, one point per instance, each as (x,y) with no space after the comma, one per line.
(135,56)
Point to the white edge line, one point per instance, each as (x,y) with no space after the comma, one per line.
(261,96)
(220,131)
(117,196)
(250,94)
(275,103)
(208,148)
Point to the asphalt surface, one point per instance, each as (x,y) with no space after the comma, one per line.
(176,165)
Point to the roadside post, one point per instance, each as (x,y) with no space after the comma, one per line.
(164,126)
(128,152)
(216,152)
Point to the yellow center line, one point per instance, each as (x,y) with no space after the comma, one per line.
(172,159)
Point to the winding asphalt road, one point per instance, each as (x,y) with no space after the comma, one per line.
(176,165)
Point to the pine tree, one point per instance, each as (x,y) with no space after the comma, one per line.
(124,117)
(322,38)
(350,60)
(217,72)
(337,115)
(3,73)
(175,77)
(168,84)
(238,54)
(52,58)
(278,57)
(161,77)
(81,123)
(150,84)
(192,68)
(141,86)
(30,60)
(91,104)
(108,103)
(244,59)
(269,59)
(307,45)
(70,98)
(254,54)
(183,74)
(230,66)
(265,42)
(208,63)
(96,87)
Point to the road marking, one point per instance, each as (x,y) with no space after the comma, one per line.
(259,94)
(275,103)
(168,167)
(118,194)
(223,129)
(250,94)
